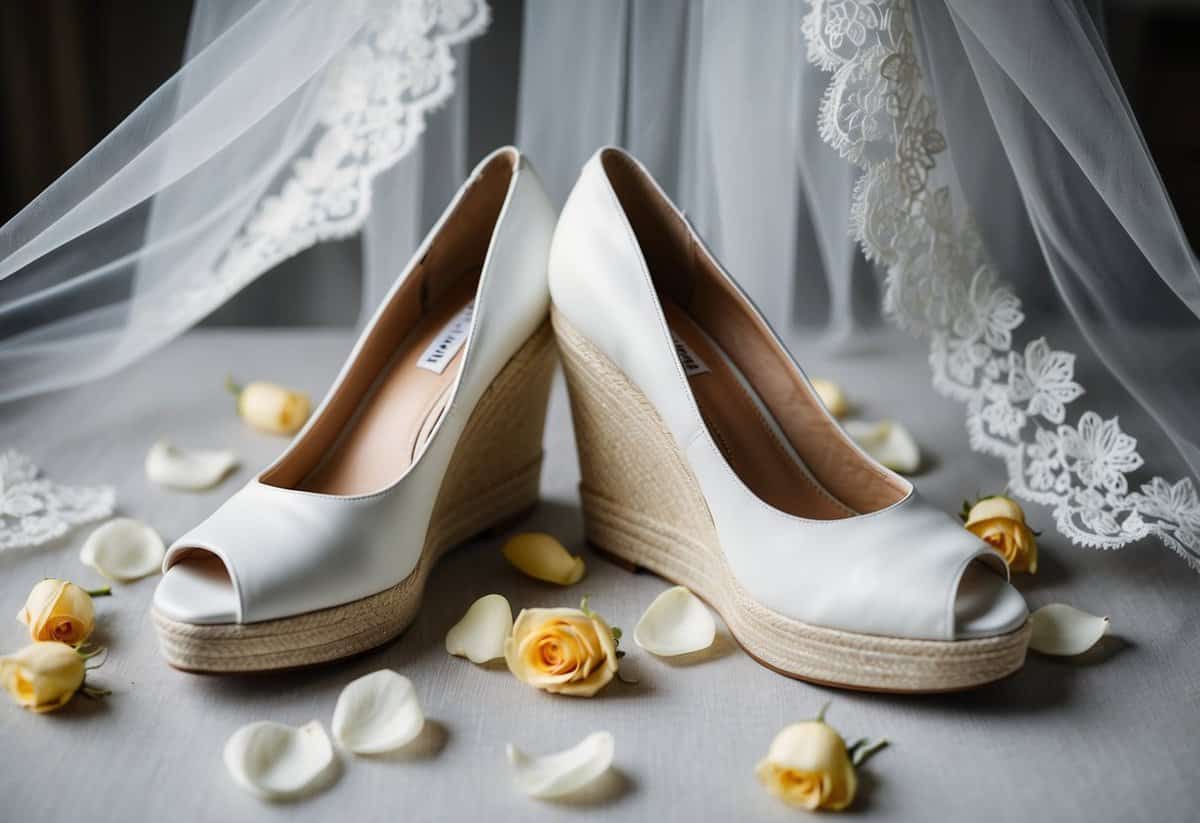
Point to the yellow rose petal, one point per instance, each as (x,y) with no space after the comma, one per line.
(542,557)
(998,506)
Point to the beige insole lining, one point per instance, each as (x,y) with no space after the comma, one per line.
(752,444)
(399,413)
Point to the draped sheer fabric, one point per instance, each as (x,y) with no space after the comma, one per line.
(265,142)
(1017,223)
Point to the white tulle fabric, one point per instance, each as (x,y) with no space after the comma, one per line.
(265,142)
(990,168)
(989,164)
(879,114)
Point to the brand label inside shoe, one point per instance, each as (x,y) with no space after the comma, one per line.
(691,362)
(448,341)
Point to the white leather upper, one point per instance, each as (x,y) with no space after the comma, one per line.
(290,552)
(893,572)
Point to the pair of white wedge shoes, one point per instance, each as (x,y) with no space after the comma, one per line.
(706,458)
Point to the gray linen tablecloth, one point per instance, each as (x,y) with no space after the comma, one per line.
(1115,736)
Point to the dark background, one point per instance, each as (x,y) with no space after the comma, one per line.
(71,70)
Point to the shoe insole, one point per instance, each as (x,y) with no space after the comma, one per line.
(401,410)
(749,438)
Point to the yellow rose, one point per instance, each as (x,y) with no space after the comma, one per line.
(271,408)
(1000,522)
(564,651)
(808,766)
(43,676)
(58,610)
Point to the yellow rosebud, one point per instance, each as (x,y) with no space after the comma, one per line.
(832,396)
(58,610)
(808,766)
(1000,523)
(43,676)
(270,407)
(564,651)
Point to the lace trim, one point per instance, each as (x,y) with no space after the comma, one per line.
(940,285)
(34,510)
(371,112)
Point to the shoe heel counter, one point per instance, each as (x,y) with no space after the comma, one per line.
(595,266)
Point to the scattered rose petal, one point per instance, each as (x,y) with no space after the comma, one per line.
(123,549)
(831,395)
(542,557)
(888,442)
(191,469)
(377,713)
(481,633)
(563,773)
(677,622)
(277,762)
(1062,630)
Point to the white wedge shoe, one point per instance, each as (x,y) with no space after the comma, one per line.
(431,433)
(707,458)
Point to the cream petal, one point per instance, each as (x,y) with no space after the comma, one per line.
(479,636)
(123,549)
(191,469)
(1062,630)
(677,622)
(563,773)
(277,762)
(541,556)
(888,442)
(377,713)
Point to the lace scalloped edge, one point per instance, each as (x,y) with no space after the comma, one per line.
(372,110)
(877,114)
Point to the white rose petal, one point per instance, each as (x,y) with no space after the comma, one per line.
(123,549)
(1063,630)
(675,623)
(563,773)
(277,762)
(377,713)
(888,442)
(481,633)
(191,469)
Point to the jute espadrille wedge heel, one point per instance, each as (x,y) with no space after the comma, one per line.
(492,479)
(641,505)
(708,458)
(431,434)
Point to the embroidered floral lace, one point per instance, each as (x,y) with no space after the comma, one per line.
(939,283)
(35,510)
